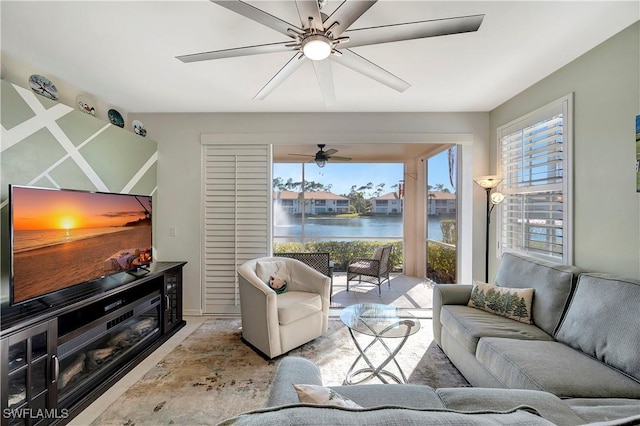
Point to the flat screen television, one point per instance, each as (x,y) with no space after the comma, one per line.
(62,238)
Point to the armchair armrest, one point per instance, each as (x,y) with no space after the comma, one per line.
(447,294)
(252,279)
(258,301)
(452,294)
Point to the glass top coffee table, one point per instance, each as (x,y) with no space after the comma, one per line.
(380,322)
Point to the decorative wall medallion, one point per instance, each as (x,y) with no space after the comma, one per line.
(85,104)
(138,128)
(42,86)
(115,118)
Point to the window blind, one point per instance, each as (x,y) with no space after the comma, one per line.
(235,228)
(534,161)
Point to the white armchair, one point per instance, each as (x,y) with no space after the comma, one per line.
(277,323)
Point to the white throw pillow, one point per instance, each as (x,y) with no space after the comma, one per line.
(314,394)
(275,268)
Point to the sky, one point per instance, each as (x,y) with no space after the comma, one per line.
(342,175)
(36,208)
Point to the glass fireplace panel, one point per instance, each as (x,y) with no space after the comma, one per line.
(93,355)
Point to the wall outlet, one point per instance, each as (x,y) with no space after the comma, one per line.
(173,231)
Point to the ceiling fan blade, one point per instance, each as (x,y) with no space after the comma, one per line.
(309,9)
(330,151)
(413,30)
(363,66)
(303,155)
(257,15)
(290,67)
(333,157)
(238,51)
(346,14)
(325,80)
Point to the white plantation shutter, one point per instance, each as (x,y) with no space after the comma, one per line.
(535,163)
(236,200)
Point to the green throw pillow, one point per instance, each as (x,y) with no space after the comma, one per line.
(513,303)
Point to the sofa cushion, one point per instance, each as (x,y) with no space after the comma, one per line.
(406,395)
(512,303)
(305,414)
(599,409)
(553,367)
(603,321)
(467,325)
(553,284)
(294,305)
(548,405)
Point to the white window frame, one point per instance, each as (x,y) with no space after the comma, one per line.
(509,188)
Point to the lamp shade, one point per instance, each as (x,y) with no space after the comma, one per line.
(497,198)
(488,182)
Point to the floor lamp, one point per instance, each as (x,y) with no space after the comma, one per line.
(488,183)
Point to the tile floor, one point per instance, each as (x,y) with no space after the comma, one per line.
(403,292)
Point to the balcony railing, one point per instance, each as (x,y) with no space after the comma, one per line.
(342,251)
(440,262)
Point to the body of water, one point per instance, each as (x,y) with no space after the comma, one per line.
(323,228)
(33,239)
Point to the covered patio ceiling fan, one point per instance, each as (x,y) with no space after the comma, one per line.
(321,157)
(321,37)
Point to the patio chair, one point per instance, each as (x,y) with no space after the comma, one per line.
(374,270)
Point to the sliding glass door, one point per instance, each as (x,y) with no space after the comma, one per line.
(343,208)
(442,207)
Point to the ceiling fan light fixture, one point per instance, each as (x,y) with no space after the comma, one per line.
(321,163)
(316,47)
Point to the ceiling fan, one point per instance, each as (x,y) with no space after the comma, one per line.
(322,37)
(321,157)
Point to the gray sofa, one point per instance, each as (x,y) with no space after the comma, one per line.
(584,341)
(422,405)
(577,363)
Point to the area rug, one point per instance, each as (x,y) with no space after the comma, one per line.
(213,374)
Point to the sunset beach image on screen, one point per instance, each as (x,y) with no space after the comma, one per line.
(62,238)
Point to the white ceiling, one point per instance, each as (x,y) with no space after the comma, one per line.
(124,53)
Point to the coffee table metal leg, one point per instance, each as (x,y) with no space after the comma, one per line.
(373,371)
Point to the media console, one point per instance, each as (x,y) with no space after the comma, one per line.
(60,356)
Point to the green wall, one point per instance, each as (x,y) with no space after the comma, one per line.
(49,144)
(606,209)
